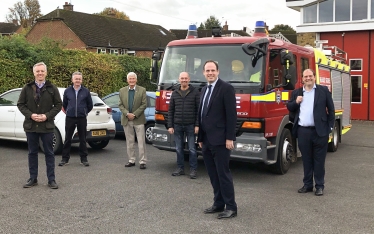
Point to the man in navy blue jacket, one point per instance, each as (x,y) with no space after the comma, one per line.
(77,103)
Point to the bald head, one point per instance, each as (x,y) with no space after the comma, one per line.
(184,80)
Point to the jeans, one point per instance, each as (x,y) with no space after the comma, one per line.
(180,131)
(33,145)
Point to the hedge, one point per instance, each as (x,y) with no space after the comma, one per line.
(102,73)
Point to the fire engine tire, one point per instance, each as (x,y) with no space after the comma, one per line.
(284,153)
(334,144)
(57,142)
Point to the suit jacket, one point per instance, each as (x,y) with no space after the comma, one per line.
(324,121)
(138,107)
(220,122)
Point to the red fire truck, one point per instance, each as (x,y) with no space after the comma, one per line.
(263,70)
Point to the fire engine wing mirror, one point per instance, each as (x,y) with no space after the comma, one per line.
(286,56)
(156,56)
(257,46)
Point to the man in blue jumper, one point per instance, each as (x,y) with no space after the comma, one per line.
(77,103)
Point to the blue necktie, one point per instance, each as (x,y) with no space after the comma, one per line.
(206,101)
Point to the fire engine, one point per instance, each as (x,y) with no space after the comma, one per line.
(263,71)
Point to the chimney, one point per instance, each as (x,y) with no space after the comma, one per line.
(68,6)
(225,27)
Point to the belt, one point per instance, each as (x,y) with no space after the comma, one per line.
(310,127)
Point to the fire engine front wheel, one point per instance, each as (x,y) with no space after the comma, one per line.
(285,152)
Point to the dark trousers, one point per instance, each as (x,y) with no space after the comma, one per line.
(33,145)
(313,149)
(216,159)
(70,124)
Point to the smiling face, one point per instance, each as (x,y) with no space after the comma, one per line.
(210,72)
(40,72)
(77,80)
(131,80)
(184,80)
(308,78)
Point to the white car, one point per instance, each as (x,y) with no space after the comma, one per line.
(100,125)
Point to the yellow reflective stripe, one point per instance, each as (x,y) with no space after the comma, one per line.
(285,96)
(270,97)
(157,93)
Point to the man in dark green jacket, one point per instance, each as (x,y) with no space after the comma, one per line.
(40,102)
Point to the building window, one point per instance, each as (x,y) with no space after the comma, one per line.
(114,51)
(343,10)
(101,50)
(359,9)
(372,9)
(130,52)
(355,64)
(326,11)
(356,88)
(310,14)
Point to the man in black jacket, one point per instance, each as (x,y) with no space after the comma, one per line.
(183,121)
(77,103)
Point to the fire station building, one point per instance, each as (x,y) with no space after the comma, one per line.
(349,25)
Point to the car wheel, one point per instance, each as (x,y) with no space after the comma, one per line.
(57,142)
(148,133)
(98,144)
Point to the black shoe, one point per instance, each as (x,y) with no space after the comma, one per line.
(193,174)
(305,190)
(52,184)
(179,171)
(213,209)
(129,164)
(85,163)
(31,182)
(319,192)
(227,214)
(142,166)
(63,163)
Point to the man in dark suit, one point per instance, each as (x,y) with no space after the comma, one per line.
(314,120)
(217,120)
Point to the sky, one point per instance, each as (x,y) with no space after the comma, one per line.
(178,14)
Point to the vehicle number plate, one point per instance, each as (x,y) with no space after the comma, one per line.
(99,133)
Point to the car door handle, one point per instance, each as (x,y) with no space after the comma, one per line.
(11,110)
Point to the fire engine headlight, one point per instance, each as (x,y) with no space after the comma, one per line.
(159,137)
(248,147)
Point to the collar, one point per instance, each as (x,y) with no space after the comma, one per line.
(314,87)
(40,85)
(133,88)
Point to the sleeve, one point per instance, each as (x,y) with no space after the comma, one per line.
(197,106)
(330,108)
(121,105)
(292,105)
(171,111)
(57,104)
(65,101)
(230,109)
(22,104)
(89,102)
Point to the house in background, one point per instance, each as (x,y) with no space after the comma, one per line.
(99,34)
(349,25)
(7,29)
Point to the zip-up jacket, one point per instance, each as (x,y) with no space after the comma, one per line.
(77,105)
(183,110)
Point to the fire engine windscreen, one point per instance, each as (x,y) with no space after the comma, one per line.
(234,65)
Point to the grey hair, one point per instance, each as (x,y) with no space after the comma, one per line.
(132,74)
(77,73)
(40,64)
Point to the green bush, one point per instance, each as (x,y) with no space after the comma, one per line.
(102,73)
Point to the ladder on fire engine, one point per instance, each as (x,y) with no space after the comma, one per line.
(332,52)
(280,37)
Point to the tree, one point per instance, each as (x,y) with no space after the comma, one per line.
(212,21)
(25,13)
(112,12)
(201,26)
(282,27)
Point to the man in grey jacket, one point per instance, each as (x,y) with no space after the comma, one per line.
(183,122)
